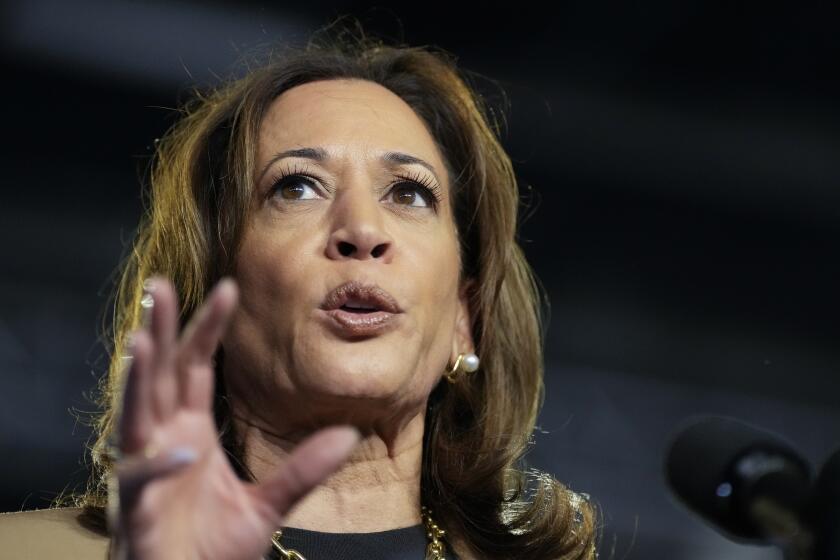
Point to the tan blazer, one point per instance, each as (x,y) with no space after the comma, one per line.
(49,533)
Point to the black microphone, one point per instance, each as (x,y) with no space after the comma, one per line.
(749,483)
(825,515)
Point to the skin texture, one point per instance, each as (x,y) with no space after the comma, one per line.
(332,423)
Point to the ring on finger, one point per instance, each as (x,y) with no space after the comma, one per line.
(149,451)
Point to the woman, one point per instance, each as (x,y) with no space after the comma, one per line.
(359,355)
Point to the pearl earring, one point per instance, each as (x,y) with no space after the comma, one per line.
(466,363)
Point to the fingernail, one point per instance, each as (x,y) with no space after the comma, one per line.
(181,456)
(149,285)
(147,302)
(225,283)
(352,431)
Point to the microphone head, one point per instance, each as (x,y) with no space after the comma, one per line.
(719,467)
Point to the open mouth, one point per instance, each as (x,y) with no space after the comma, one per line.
(362,310)
(356,310)
(355,322)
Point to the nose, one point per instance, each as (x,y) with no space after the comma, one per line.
(358,229)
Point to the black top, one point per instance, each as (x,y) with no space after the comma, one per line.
(407,543)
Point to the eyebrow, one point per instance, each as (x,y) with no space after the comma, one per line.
(320,155)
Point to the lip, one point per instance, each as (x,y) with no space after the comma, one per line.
(355,325)
(369,294)
(360,324)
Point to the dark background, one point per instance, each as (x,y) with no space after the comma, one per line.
(685,224)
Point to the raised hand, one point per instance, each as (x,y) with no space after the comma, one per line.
(179,498)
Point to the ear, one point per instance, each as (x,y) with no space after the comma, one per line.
(462,342)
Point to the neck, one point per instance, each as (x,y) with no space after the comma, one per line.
(377,489)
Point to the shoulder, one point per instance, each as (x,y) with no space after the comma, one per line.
(50,533)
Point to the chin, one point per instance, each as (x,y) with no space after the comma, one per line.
(357,371)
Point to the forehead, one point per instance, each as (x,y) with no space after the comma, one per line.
(351,119)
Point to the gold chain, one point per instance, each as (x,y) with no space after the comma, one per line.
(436,549)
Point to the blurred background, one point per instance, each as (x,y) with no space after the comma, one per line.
(680,163)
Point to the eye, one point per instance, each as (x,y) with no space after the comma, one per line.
(295,187)
(412,194)
(415,190)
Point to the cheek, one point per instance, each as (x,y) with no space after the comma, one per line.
(437,265)
(274,269)
(435,272)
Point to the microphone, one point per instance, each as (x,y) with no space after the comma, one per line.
(826,512)
(749,483)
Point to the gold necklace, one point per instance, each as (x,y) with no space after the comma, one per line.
(436,549)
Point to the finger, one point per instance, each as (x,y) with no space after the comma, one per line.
(311,462)
(135,472)
(199,342)
(164,330)
(136,413)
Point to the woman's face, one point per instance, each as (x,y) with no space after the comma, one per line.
(350,302)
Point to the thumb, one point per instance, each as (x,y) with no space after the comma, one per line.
(310,463)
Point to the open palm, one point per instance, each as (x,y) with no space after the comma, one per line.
(178,495)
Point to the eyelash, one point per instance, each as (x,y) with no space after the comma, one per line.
(419,180)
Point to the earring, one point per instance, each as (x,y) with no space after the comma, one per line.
(466,363)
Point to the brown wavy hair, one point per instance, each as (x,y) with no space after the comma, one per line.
(477,432)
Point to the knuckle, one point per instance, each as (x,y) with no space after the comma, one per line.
(186,356)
